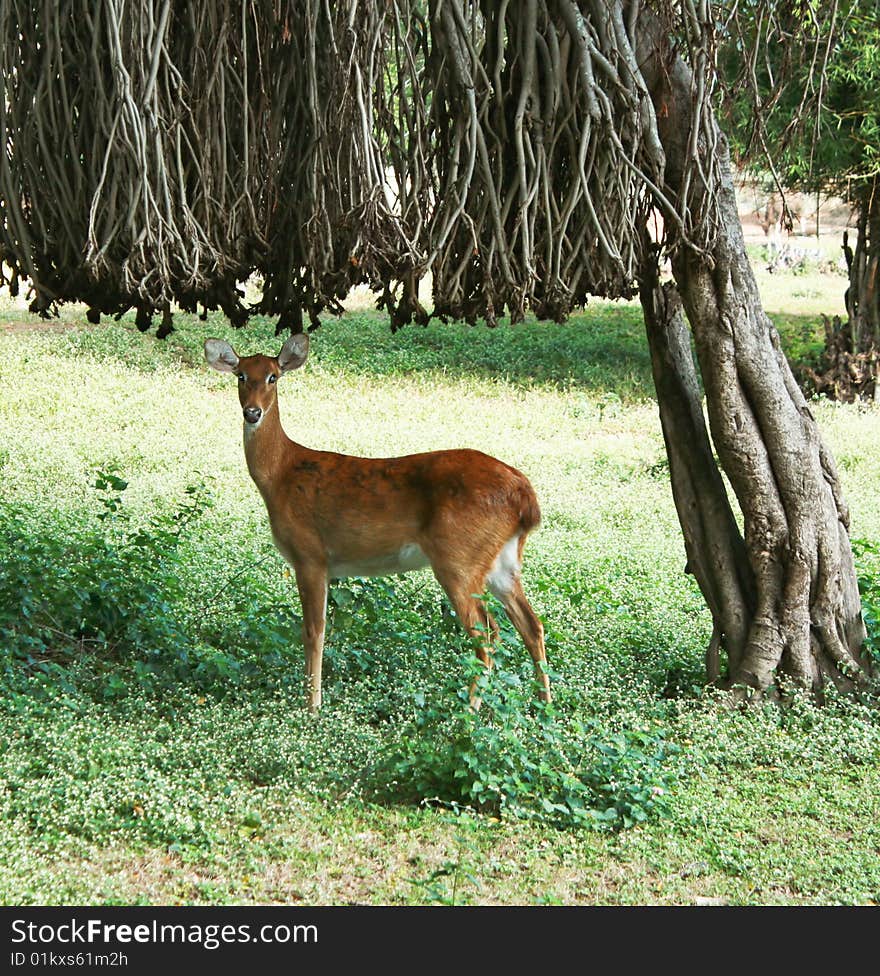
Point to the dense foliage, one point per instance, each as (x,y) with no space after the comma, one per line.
(807,118)
(812,108)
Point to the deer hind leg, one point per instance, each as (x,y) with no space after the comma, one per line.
(463,593)
(504,582)
(530,628)
(312,586)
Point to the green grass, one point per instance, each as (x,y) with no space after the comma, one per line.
(160,753)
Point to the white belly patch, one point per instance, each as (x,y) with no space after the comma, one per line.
(403,560)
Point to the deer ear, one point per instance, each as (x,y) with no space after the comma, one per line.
(221,355)
(294,352)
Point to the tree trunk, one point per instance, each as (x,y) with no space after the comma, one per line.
(856,366)
(863,294)
(716,553)
(791,607)
(850,364)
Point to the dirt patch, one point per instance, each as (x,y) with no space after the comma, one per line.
(39,325)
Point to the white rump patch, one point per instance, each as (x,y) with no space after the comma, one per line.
(505,570)
(403,560)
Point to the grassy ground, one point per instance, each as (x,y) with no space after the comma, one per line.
(156,748)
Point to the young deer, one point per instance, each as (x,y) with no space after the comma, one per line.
(464,514)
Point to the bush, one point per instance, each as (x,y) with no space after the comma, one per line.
(70,588)
(80,594)
(520,757)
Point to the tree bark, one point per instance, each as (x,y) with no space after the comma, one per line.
(792,607)
(716,553)
(849,369)
(852,350)
(863,294)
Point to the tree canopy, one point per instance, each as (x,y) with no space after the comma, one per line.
(809,110)
(810,115)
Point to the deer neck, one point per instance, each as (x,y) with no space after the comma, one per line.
(266,447)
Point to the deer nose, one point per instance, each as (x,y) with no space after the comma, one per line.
(252,414)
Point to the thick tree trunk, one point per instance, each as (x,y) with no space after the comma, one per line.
(850,365)
(863,294)
(792,606)
(716,553)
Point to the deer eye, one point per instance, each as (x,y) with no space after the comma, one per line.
(272,378)
(241,377)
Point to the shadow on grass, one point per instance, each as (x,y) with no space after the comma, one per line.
(802,336)
(601,349)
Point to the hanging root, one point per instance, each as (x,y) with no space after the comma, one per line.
(156,154)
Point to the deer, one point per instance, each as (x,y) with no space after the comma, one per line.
(332,516)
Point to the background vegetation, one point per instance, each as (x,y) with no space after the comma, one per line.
(778,130)
(156,745)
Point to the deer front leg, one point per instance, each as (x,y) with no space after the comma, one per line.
(312,585)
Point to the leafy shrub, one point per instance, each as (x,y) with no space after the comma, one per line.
(68,587)
(520,757)
(78,594)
